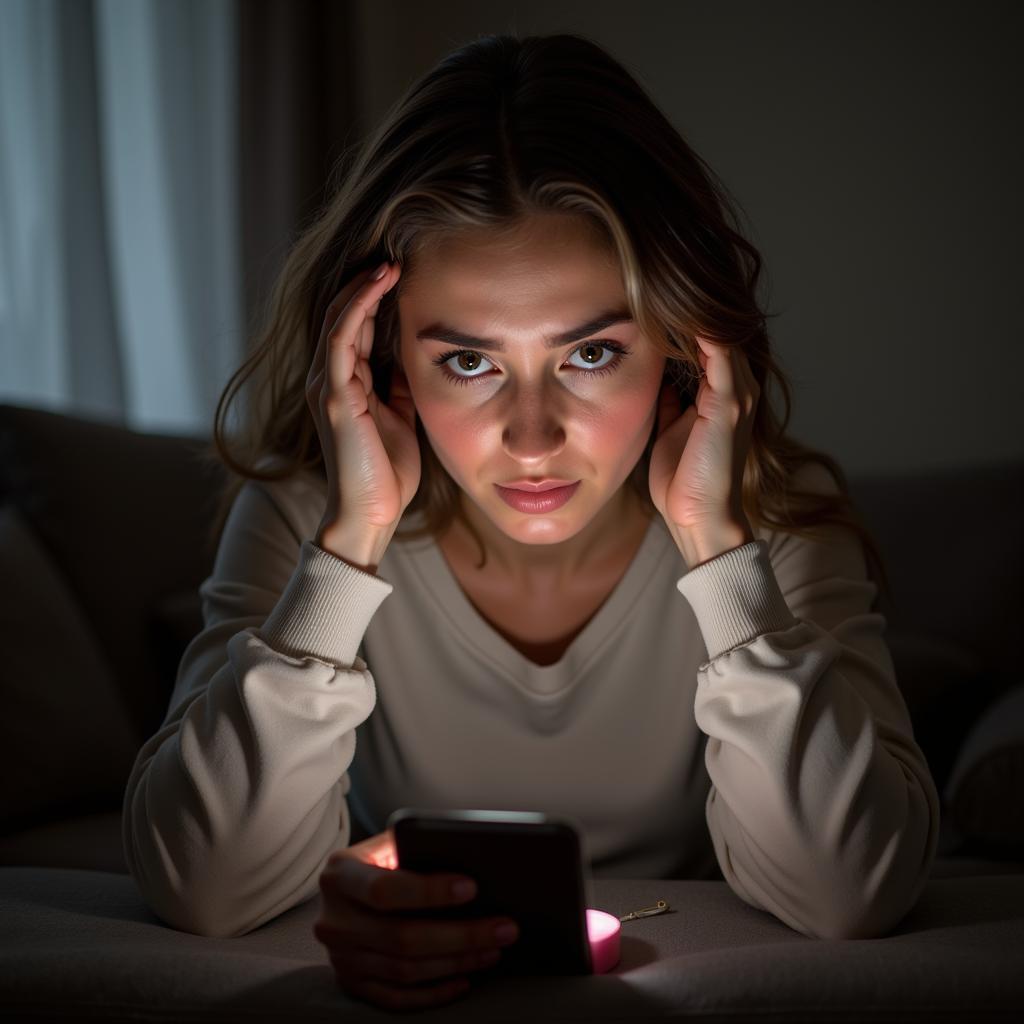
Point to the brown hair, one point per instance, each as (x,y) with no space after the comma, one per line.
(499,130)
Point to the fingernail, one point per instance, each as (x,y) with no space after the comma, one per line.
(380,271)
(463,890)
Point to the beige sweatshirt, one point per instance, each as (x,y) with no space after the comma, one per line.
(742,717)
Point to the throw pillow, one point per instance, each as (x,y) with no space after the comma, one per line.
(983,797)
(67,745)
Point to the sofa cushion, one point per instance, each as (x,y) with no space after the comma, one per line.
(983,795)
(946,687)
(954,957)
(66,742)
(125,515)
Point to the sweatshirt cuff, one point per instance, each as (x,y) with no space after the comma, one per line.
(736,598)
(324,610)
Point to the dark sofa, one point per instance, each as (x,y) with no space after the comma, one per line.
(103,544)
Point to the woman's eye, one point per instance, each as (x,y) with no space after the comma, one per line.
(464,356)
(591,356)
(590,353)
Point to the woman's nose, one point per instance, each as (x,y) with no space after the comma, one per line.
(533,432)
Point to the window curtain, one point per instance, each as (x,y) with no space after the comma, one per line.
(157,160)
(121,293)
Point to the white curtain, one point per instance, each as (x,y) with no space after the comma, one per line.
(120,275)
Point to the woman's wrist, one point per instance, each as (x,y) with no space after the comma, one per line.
(361,547)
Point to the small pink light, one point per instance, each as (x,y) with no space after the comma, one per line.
(603,932)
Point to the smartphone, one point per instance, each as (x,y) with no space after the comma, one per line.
(526,864)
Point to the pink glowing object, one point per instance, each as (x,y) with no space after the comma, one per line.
(603,932)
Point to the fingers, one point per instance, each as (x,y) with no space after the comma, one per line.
(382,960)
(747,373)
(364,343)
(365,330)
(369,293)
(359,904)
(383,889)
(348,925)
(396,961)
(378,849)
(716,362)
(316,367)
(728,373)
(746,386)
(342,350)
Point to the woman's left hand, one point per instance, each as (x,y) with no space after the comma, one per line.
(696,470)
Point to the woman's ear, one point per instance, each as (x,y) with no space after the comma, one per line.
(400,396)
(676,376)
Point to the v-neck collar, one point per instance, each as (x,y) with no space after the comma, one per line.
(476,631)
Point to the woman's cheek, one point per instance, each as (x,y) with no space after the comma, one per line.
(615,420)
(449,429)
(624,427)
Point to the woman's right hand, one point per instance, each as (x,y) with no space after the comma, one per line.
(371,454)
(383,958)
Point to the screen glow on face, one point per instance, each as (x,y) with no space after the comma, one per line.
(564,383)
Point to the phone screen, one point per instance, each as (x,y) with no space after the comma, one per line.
(527,865)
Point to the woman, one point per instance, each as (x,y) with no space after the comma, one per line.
(677,648)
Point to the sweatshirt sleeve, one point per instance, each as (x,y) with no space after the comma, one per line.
(822,808)
(234,805)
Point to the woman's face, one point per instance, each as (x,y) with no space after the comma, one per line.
(511,407)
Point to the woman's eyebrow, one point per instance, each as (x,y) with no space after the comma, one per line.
(442,332)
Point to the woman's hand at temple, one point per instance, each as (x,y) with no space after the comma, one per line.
(370,450)
(384,958)
(697,463)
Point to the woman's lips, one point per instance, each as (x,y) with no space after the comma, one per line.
(537,502)
(534,487)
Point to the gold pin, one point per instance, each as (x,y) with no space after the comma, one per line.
(659,908)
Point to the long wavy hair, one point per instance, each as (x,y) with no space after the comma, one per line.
(499,130)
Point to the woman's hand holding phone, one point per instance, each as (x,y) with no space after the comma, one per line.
(371,454)
(388,960)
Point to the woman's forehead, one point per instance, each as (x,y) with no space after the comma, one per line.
(488,275)
(534,300)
